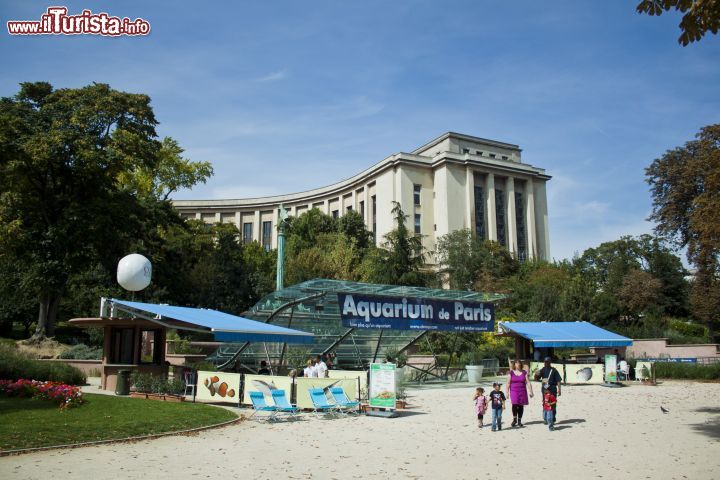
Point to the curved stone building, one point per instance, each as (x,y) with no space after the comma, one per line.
(453,182)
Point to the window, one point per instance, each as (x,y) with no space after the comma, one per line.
(374,216)
(417,223)
(267,236)
(349,208)
(362,209)
(335,213)
(150,346)
(504,157)
(247,232)
(520,226)
(416,193)
(492,155)
(479,152)
(466,150)
(121,346)
(500,217)
(479,212)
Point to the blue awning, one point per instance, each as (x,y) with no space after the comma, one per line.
(225,327)
(565,334)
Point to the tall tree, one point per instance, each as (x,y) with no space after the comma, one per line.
(401,259)
(685,186)
(63,206)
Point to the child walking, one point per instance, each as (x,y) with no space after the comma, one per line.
(549,402)
(497,400)
(480,405)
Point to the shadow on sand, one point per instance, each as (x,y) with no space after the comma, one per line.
(711,426)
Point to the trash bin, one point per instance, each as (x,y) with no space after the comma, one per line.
(122,387)
(474,372)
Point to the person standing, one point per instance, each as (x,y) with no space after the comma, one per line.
(497,401)
(480,404)
(310,371)
(518,386)
(550,378)
(549,403)
(321,367)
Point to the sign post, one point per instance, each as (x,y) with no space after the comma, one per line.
(382,386)
(610,368)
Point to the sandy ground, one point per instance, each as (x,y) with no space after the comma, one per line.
(602,433)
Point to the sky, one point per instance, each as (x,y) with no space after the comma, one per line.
(286,96)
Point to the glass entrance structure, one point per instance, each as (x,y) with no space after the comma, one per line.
(312,307)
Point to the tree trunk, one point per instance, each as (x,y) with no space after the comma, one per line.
(49,303)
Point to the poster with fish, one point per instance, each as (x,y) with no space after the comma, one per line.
(218,387)
(584,373)
(303,384)
(266,384)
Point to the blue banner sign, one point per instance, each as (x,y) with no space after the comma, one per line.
(409,313)
(670,360)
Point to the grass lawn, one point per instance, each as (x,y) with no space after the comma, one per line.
(27,423)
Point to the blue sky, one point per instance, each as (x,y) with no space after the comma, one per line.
(319,90)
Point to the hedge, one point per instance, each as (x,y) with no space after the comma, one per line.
(15,365)
(690,371)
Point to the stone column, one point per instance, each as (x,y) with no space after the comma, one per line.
(530,219)
(237,222)
(326,206)
(512,245)
(490,207)
(366,214)
(541,221)
(257,234)
(470,199)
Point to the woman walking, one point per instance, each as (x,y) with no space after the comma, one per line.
(518,385)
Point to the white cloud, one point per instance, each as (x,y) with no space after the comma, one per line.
(274,76)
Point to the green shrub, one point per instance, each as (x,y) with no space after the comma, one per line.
(142,381)
(82,352)
(15,365)
(146,383)
(691,371)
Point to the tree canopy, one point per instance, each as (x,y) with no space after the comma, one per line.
(699,16)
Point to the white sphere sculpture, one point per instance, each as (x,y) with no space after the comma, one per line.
(134,272)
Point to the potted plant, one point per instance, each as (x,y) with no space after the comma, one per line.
(474,366)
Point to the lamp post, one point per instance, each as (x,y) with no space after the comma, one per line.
(280,274)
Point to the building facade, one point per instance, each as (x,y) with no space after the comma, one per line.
(453,182)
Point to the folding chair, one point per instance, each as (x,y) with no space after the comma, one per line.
(320,402)
(259,405)
(190,382)
(343,403)
(283,405)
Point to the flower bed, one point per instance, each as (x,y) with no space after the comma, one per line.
(66,396)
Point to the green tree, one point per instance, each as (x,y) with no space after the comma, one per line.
(685,186)
(700,16)
(63,206)
(469,263)
(401,260)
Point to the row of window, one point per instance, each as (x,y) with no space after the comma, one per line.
(480,153)
(500,220)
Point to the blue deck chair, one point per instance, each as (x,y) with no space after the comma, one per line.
(320,402)
(344,404)
(283,405)
(259,405)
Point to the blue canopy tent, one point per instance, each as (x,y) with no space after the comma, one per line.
(559,335)
(224,327)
